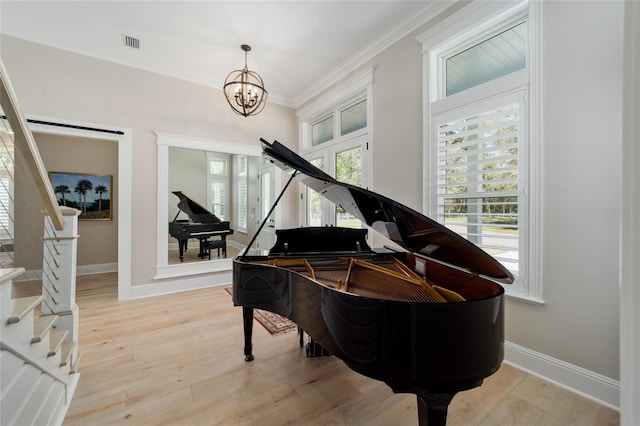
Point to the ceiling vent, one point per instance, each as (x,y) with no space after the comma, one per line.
(130,41)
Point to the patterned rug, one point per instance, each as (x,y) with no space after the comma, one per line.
(273,323)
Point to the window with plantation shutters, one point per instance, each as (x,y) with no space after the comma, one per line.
(242,197)
(218,183)
(478,183)
(6,182)
(483,144)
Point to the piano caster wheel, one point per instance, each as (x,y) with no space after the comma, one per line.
(249,358)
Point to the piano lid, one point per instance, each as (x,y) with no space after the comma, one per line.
(196,212)
(397,222)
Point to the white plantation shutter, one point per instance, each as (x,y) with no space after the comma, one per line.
(242,196)
(6,181)
(6,220)
(218,182)
(479,172)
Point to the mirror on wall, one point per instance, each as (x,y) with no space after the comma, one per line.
(208,203)
(212,206)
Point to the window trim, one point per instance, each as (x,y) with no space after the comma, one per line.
(439,40)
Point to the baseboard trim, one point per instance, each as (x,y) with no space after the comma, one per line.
(586,383)
(181,284)
(101,268)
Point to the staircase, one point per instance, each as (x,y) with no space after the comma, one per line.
(38,333)
(38,361)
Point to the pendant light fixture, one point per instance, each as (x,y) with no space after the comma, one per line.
(245,90)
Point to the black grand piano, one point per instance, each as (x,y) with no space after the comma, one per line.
(423,313)
(201,225)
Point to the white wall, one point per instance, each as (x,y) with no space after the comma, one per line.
(582,110)
(99,242)
(57,84)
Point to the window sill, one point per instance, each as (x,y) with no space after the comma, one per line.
(525,298)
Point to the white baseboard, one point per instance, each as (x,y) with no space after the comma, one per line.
(100,268)
(586,383)
(96,269)
(181,284)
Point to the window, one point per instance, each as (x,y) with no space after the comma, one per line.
(478,175)
(340,157)
(353,118)
(6,183)
(314,200)
(348,169)
(322,131)
(218,182)
(241,193)
(492,58)
(481,152)
(334,134)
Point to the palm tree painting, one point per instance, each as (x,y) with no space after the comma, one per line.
(100,189)
(62,190)
(93,193)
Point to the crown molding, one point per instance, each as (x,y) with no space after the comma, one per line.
(429,11)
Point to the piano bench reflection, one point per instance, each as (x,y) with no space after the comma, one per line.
(216,244)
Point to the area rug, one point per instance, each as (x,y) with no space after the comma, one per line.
(275,324)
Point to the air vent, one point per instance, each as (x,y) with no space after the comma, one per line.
(130,41)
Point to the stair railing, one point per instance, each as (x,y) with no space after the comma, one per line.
(35,232)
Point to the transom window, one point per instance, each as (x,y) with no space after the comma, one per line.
(492,58)
(322,131)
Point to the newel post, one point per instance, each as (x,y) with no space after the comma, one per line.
(59,272)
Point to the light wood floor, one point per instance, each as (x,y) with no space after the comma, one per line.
(177,360)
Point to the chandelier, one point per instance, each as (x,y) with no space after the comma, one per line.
(245,90)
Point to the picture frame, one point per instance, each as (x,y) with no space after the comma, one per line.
(89,193)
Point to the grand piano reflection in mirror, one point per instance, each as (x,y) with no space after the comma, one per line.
(208,229)
(214,190)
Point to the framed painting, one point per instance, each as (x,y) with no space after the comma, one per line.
(91,194)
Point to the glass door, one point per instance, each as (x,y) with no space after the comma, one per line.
(345,162)
(266,180)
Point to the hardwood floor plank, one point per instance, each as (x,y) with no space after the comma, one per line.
(177,360)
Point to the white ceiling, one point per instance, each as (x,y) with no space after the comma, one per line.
(297,46)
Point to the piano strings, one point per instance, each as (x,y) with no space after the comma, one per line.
(394,280)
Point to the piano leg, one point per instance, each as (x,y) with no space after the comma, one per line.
(432,408)
(182,245)
(247,317)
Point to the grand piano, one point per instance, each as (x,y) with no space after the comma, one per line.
(422,313)
(201,225)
